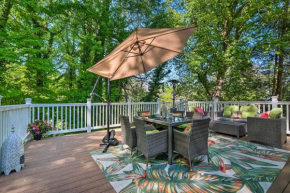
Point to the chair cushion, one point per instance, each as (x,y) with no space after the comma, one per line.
(187,129)
(133,127)
(275,113)
(199,110)
(183,126)
(265,115)
(152,131)
(228,110)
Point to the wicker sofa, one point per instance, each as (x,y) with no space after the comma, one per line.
(268,131)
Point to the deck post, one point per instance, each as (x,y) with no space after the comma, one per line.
(158,106)
(0,99)
(274,102)
(215,108)
(129,103)
(28,102)
(89,105)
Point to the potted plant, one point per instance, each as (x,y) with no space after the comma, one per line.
(38,127)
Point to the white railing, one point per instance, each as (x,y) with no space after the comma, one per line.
(72,117)
(17,116)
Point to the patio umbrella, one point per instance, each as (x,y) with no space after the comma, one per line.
(143,50)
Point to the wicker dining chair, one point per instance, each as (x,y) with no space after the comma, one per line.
(194,142)
(150,144)
(128,134)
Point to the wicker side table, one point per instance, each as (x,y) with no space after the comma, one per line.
(229,127)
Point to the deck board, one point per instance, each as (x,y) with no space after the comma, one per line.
(64,164)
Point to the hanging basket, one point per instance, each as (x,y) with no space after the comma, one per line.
(37,136)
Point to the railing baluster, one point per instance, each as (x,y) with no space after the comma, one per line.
(52,116)
(78,117)
(66,125)
(61,117)
(69,117)
(57,117)
(74,117)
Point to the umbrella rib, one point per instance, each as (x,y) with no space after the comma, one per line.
(143,64)
(166,49)
(149,45)
(121,64)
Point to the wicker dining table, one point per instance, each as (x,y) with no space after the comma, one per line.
(169,122)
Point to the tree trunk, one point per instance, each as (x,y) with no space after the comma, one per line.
(284,26)
(275,75)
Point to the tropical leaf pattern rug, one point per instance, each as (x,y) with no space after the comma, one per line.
(235,166)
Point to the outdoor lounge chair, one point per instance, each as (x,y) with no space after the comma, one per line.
(194,142)
(150,144)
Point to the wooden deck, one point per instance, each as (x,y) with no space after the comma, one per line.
(63,164)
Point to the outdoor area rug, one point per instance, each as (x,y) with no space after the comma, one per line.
(235,166)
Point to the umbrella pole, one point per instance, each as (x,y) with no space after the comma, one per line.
(108,118)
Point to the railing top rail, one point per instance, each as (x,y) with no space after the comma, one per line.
(284,103)
(140,103)
(58,104)
(200,101)
(12,107)
(247,102)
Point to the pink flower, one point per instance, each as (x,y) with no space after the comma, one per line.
(48,125)
(35,120)
(32,125)
(37,132)
(44,121)
(33,128)
(27,132)
(37,127)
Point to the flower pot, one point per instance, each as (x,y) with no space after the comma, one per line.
(37,136)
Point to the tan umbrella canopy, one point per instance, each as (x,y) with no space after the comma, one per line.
(143,50)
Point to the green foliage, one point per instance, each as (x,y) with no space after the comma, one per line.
(240,50)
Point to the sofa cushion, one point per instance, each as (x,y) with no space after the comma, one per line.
(228,110)
(249,111)
(275,113)
(224,119)
(240,120)
(191,108)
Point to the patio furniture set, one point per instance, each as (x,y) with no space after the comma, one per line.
(152,142)
(267,130)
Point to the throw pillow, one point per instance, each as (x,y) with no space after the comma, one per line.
(152,131)
(199,110)
(275,113)
(265,115)
(236,115)
(188,128)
